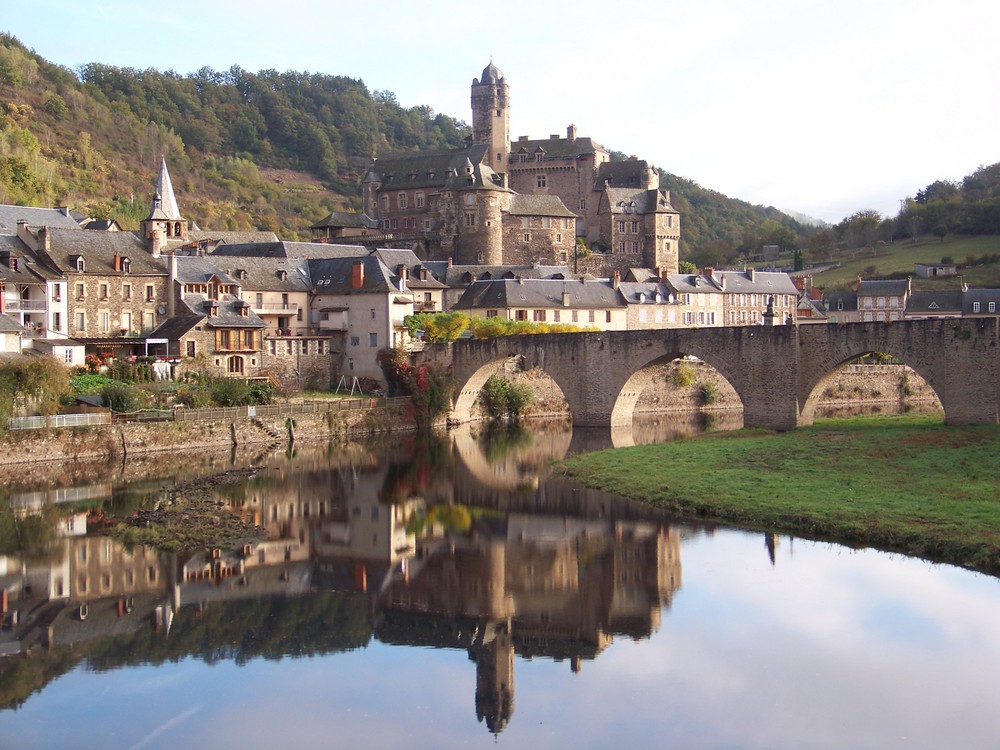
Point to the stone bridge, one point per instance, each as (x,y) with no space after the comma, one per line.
(778,372)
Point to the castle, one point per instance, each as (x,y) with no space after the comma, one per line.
(498,202)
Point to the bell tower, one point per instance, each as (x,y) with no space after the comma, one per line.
(491,117)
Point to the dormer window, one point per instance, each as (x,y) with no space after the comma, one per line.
(283,275)
(244,310)
(241,274)
(81,264)
(213,309)
(126,265)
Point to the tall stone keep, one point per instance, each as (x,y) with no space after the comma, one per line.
(491,116)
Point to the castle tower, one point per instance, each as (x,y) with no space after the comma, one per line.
(164,221)
(491,116)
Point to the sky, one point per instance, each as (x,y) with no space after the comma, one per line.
(814,106)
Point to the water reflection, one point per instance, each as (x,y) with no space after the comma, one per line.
(447,593)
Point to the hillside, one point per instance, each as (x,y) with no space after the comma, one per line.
(267,150)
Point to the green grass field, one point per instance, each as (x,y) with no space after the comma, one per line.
(899,257)
(909,484)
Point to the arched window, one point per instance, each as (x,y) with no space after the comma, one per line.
(236,365)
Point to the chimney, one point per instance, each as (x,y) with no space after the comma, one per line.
(616,279)
(118,262)
(358,274)
(664,274)
(857,284)
(565,296)
(909,285)
(172,290)
(750,273)
(571,132)
(44,240)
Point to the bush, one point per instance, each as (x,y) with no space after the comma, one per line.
(195,396)
(502,399)
(684,375)
(88,382)
(120,397)
(230,392)
(708,393)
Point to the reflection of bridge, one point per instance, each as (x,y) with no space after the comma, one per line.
(778,372)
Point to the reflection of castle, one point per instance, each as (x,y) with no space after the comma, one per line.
(552,587)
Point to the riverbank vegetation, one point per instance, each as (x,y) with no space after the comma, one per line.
(909,484)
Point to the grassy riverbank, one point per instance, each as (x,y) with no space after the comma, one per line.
(909,484)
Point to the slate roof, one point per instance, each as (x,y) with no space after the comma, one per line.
(228,317)
(983,297)
(539,205)
(335,275)
(539,293)
(98,250)
(282,249)
(849,299)
(934,302)
(338,219)
(555,148)
(440,170)
(198,270)
(631,291)
(9,325)
(630,201)
(623,174)
(455,276)
(883,288)
(173,328)
(164,203)
(266,274)
(29,269)
(491,74)
(231,238)
(394,258)
(36,217)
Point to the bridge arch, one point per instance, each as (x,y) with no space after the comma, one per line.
(471,386)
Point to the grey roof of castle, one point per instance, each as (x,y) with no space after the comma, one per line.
(231,237)
(491,74)
(229,315)
(338,219)
(98,249)
(335,276)
(982,296)
(882,288)
(282,249)
(624,174)
(556,148)
(641,274)
(935,302)
(538,293)
(441,170)
(36,217)
(455,276)
(631,201)
(539,205)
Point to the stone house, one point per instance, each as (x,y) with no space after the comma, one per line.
(934,304)
(641,225)
(428,291)
(538,228)
(341,224)
(363,300)
(584,303)
(880,300)
(980,303)
(29,290)
(841,306)
(458,278)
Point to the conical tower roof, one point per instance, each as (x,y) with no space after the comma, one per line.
(164,203)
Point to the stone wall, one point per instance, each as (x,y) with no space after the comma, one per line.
(134,438)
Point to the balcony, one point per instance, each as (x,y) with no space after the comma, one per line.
(25,305)
(424,306)
(275,308)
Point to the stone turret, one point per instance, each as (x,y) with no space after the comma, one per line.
(491,116)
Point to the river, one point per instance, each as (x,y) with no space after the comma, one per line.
(458,594)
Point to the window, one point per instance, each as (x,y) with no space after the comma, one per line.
(81,321)
(393,223)
(127,292)
(635,247)
(590,316)
(190,348)
(621,226)
(372,311)
(670,221)
(149,321)
(126,321)
(419,200)
(527,237)
(521,315)
(355,341)
(621,247)
(575,316)
(105,324)
(523,158)
(470,220)
(104,291)
(492,313)
(635,227)
(126,265)
(993,307)
(558,237)
(385,203)
(975,307)
(56,292)
(79,291)
(607,316)
(539,316)
(235,365)
(372,339)
(150,296)
(540,180)
(402,200)
(81,265)
(583,204)
(427,225)
(538,158)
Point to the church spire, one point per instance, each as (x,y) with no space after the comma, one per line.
(165,192)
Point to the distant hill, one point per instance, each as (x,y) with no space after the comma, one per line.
(267,150)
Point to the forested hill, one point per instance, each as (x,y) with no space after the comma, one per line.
(264,150)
